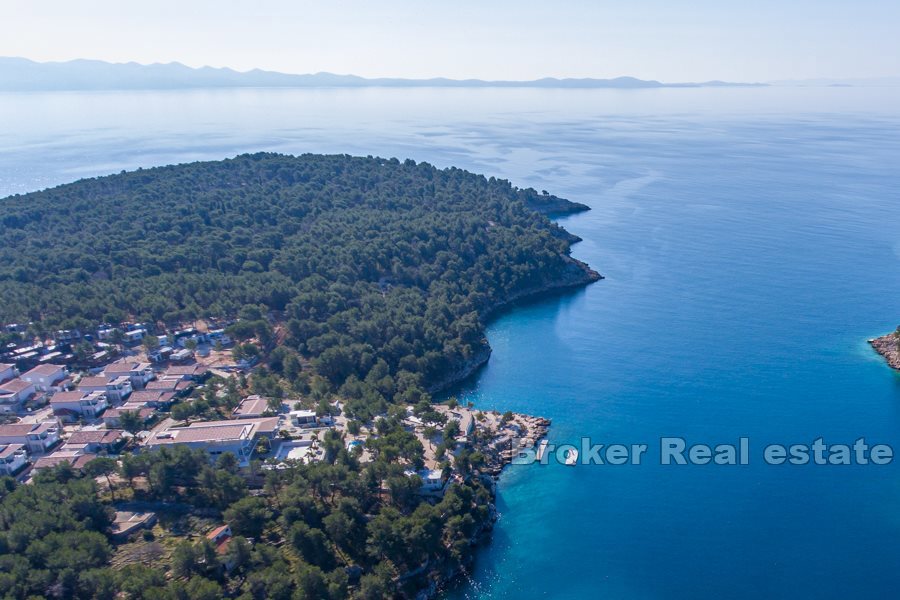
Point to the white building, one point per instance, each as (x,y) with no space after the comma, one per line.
(7,372)
(185,373)
(45,377)
(106,333)
(116,389)
(36,437)
(138,373)
(13,458)
(303,418)
(217,437)
(251,407)
(95,441)
(134,336)
(112,417)
(13,393)
(152,398)
(71,406)
(432,480)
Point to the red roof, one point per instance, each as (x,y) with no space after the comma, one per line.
(251,406)
(44,370)
(161,385)
(115,413)
(151,396)
(94,382)
(15,386)
(100,436)
(7,450)
(51,460)
(216,532)
(185,370)
(65,397)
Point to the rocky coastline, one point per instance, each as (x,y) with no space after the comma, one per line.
(575,274)
(497,437)
(888,346)
(500,438)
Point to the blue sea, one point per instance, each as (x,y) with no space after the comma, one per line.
(750,243)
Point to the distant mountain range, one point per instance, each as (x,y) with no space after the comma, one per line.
(22,74)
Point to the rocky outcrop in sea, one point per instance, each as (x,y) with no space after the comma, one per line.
(889,347)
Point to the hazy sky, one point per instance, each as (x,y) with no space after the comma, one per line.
(669,40)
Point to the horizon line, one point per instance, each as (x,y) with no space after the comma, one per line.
(464,80)
(375,77)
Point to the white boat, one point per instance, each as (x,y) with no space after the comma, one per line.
(571,457)
(542,447)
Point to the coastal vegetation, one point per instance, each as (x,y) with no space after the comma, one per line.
(360,285)
(380,272)
(328,530)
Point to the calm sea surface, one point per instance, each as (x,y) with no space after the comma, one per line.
(750,240)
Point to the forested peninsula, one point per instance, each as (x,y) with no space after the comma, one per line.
(351,289)
(382,272)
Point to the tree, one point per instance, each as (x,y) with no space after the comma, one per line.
(375,586)
(102,466)
(130,468)
(451,430)
(248,516)
(312,544)
(182,411)
(239,552)
(200,588)
(131,421)
(430,433)
(227,462)
(184,560)
(150,343)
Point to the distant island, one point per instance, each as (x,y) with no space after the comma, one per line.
(22,74)
(889,347)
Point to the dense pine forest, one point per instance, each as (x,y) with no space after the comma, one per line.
(382,271)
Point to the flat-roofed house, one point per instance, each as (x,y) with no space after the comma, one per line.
(36,437)
(45,377)
(303,418)
(116,389)
(217,437)
(139,373)
(13,458)
(71,406)
(14,393)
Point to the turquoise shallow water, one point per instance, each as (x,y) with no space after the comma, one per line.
(750,241)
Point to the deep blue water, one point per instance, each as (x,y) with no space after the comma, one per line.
(750,241)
